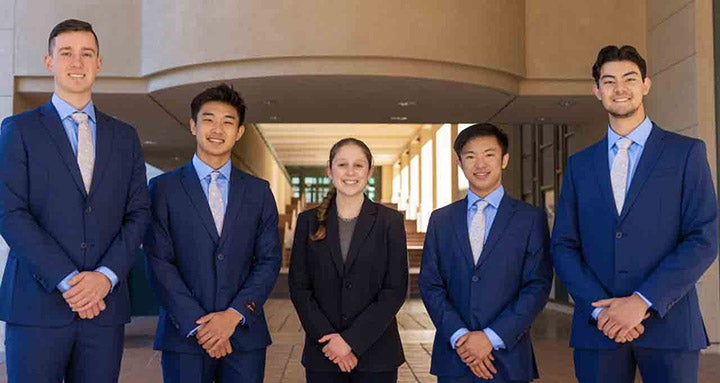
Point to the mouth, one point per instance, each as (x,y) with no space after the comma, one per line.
(76,75)
(621,99)
(481,174)
(216,140)
(350,182)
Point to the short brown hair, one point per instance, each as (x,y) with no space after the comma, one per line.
(70,25)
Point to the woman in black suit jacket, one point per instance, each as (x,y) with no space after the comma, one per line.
(348,277)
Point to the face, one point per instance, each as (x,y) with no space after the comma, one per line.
(74,63)
(621,89)
(482,163)
(350,171)
(216,131)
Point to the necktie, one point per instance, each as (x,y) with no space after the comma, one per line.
(477,230)
(85,149)
(619,172)
(215,199)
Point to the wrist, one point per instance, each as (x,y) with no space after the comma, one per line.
(236,316)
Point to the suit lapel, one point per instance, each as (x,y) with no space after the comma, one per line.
(332,239)
(504,215)
(51,122)
(192,187)
(459,216)
(651,153)
(103,150)
(235,198)
(363,226)
(602,175)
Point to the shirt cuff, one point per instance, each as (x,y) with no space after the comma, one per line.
(596,312)
(643,298)
(496,341)
(110,275)
(193,331)
(64,285)
(456,335)
(242,320)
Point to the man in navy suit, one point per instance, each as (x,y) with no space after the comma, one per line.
(635,229)
(73,209)
(486,271)
(213,254)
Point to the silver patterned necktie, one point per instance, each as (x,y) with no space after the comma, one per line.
(619,172)
(215,199)
(85,149)
(477,230)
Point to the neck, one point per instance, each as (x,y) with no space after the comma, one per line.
(215,162)
(625,125)
(349,206)
(484,193)
(77,101)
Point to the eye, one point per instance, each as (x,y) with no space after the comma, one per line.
(88,55)
(65,54)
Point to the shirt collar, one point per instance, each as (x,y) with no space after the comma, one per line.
(492,199)
(638,136)
(203,170)
(66,110)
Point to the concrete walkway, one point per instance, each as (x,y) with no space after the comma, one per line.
(550,335)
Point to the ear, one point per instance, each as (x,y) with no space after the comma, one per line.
(371,171)
(48,63)
(647,83)
(596,91)
(99,63)
(241,131)
(505,160)
(193,128)
(327,170)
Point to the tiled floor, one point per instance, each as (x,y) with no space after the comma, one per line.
(550,336)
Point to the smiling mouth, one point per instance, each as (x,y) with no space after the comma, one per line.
(623,99)
(73,75)
(350,182)
(216,140)
(479,174)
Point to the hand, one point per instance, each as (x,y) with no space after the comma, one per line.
(93,311)
(473,347)
(88,288)
(220,350)
(632,335)
(484,369)
(623,315)
(348,362)
(216,328)
(336,347)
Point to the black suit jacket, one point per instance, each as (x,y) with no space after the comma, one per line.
(357,298)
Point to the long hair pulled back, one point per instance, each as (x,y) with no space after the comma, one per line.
(323,209)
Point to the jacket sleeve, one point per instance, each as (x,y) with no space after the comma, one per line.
(163,273)
(266,266)
(313,320)
(28,241)
(515,319)
(697,245)
(566,249)
(371,323)
(120,256)
(433,287)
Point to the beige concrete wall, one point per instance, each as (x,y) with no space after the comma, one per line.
(682,99)
(563,36)
(253,155)
(117,24)
(386,174)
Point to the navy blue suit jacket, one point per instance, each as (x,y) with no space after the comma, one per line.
(54,227)
(195,272)
(660,244)
(505,290)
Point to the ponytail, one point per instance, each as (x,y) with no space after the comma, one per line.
(322,213)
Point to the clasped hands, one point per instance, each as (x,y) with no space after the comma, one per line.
(87,293)
(339,352)
(215,331)
(475,350)
(621,318)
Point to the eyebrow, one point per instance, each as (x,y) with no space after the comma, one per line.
(632,72)
(230,116)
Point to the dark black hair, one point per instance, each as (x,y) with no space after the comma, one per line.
(480,130)
(222,93)
(71,25)
(613,53)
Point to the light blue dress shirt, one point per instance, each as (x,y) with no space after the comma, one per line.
(65,112)
(203,171)
(493,199)
(639,137)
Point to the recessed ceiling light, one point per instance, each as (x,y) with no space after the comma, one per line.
(398,118)
(540,119)
(269,102)
(406,103)
(176,158)
(566,103)
(149,142)
(274,118)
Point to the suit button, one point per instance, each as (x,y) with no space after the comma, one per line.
(88,210)
(348,285)
(475,278)
(220,257)
(83,245)
(618,235)
(344,317)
